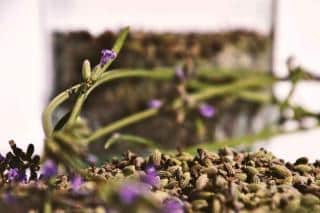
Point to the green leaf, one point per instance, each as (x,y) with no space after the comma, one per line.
(129,138)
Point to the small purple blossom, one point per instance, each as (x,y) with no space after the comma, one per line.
(107,55)
(49,169)
(151,177)
(155,103)
(129,192)
(2,158)
(180,74)
(13,174)
(173,205)
(151,170)
(8,198)
(76,183)
(207,110)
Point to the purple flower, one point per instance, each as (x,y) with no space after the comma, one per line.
(106,56)
(49,169)
(173,205)
(8,198)
(206,110)
(13,174)
(2,158)
(151,170)
(76,183)
(155,103)
(180,74)
(151,177)
(129,192)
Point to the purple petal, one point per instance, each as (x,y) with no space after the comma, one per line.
(76,183)
(207,110)
(154,103)
(107,55)
(151,180)
(151,170)
(129,192)
(49,169)
(8,198)
(13,174)
(2,158)
(173,205)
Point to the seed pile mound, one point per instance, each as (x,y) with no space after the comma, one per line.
(227,181)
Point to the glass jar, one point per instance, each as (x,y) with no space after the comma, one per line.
(229,35)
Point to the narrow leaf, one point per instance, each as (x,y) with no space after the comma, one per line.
(128,138)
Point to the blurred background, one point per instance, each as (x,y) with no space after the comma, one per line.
(43,43)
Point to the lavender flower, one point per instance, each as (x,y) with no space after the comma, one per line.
(76,183)
(151,177)
(129,192)
(206,110)
(106,56)
(173,205)
(180,74)
(49,169)
(151,170)
(2,158)
(155,103)
(8,198)
(13,174)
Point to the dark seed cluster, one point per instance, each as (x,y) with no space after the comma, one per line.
(15,164)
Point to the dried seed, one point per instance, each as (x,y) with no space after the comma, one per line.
(156,158)
(185,180)
(202,181)
(303,168)
(199,204)
(251,171)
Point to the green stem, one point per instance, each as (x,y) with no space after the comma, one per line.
(57,101)
(234,142)
(257,81)
(161,74)
(252,96)
(128,138)
(122,123)
(202,95)
(76,109)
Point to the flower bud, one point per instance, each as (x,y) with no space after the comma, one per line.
(86,70)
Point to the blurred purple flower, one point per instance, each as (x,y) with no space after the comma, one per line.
(155,103)
(76,183)
(151,177)
(22,176)
(129,192)
(49,169)
(106,56)
(13,174)
(173,205)
(207,110)
(180,74)
(8,198)
(1,158)
(151,170)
